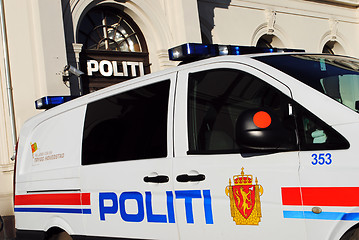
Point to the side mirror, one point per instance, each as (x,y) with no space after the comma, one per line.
(259,129)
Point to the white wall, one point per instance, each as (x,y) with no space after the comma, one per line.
(37,57)
(298,24)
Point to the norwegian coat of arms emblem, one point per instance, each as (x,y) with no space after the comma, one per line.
(245,199)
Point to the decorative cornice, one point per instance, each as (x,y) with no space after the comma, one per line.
(163,59)
(7,167)
(349,3)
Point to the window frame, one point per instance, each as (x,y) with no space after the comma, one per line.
(136,84)
(181,112)
(300,114)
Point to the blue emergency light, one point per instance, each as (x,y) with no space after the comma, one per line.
(193,51)
(51,101)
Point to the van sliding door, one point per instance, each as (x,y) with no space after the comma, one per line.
(127,161)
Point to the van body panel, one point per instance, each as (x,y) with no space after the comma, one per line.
(48,166)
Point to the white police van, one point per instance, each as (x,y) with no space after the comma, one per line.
(231,147)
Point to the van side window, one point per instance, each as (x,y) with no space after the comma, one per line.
(128,126)
(216,99)
(314,134)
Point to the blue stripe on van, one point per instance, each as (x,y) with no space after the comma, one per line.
(54,210)
(322,215)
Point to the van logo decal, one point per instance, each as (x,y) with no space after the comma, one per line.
(38,155)
(111,203)
(33,147)
(244,198)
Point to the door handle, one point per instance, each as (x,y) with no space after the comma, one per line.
(157,179)
(190,178)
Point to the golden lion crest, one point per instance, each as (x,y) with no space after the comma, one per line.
(245,199)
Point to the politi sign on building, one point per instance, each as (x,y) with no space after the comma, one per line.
(105,68)
(111,68)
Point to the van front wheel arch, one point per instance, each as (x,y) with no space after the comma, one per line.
(351,234)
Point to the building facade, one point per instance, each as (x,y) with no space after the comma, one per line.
(111,41)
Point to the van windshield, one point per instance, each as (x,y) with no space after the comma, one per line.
(334,76)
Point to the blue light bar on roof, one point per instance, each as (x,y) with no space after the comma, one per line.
(51,101)
(194,51)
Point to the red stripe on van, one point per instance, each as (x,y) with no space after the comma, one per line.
(321,196)
(53,199)
(291,196)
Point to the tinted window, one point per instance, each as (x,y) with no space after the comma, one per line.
(217,98)
(314,134)
(334,76)
(128,126)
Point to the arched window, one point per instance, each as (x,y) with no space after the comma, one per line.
(269,41)
(263,42)
(105,28)
(333,47)
(327,49)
